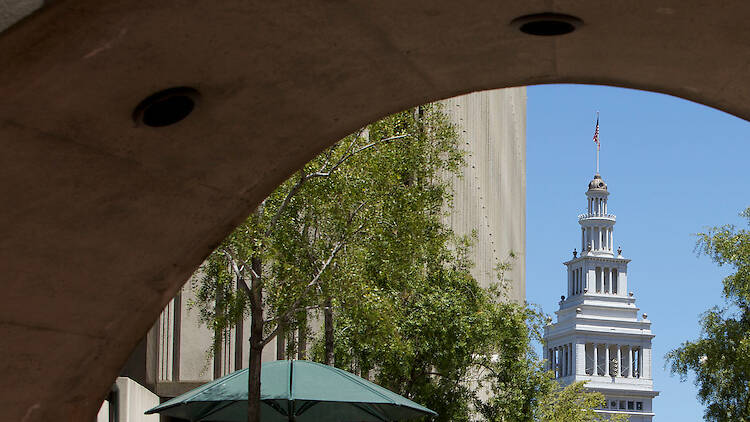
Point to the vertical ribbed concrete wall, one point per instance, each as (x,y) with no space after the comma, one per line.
(490,197)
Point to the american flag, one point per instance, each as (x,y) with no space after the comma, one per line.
(596,133)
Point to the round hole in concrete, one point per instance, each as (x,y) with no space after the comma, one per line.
(547,24)
(166,107)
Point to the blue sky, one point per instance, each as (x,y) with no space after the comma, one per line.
(673,167)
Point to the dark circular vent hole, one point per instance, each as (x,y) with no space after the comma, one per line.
(166,107)
(547,28)
(547,24)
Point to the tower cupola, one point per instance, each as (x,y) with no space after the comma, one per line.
(597,224)
(597,183)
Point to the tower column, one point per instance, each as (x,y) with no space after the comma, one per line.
(606,359)
(554,361)
(629,373)
(598,238)
(585,279)
(619,361)
(580,358)
(606,238)
(638,359)
(583,240)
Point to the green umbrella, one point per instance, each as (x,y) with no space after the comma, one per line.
(293,390)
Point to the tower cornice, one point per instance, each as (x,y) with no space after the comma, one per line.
(592,257)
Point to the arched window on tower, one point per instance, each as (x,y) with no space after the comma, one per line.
(598,279)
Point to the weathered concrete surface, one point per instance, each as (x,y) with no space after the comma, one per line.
(12,11)
(102,221)
(489,198)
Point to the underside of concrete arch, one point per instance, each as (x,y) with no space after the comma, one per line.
(103,219)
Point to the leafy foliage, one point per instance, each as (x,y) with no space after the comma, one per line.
(574,404)
(358,234)
(720,358)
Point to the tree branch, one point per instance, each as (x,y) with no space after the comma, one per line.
(353,153)
(308,287)
(239,272)
(320,173)
(348,149)
(293,311)
(303,178)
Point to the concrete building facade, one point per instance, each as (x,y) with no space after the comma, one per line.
(488,200)
(490,194)
(598,336)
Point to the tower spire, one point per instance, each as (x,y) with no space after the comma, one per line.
(596,141)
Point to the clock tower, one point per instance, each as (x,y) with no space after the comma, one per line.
(598,336)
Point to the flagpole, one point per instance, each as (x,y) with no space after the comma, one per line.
(597,143)
(597,158)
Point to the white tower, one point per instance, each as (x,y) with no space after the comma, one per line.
(598,336)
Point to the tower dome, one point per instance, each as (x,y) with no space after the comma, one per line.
(597,183)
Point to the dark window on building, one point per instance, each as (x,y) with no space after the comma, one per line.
(622,404)
(631,405)
(639,405)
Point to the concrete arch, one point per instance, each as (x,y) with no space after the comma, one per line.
(103,220)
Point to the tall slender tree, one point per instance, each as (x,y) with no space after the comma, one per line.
(284,260)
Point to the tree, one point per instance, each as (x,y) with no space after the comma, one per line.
(720,357)
(442,340)
(284,260)
(574,404)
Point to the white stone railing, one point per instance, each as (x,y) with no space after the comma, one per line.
(594,215)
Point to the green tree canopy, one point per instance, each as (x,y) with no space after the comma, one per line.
(574,404)
(720,357)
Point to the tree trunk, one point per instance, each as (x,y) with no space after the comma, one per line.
(218,335)
(256,345)
(302,339)
(281,341)
(328,313)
